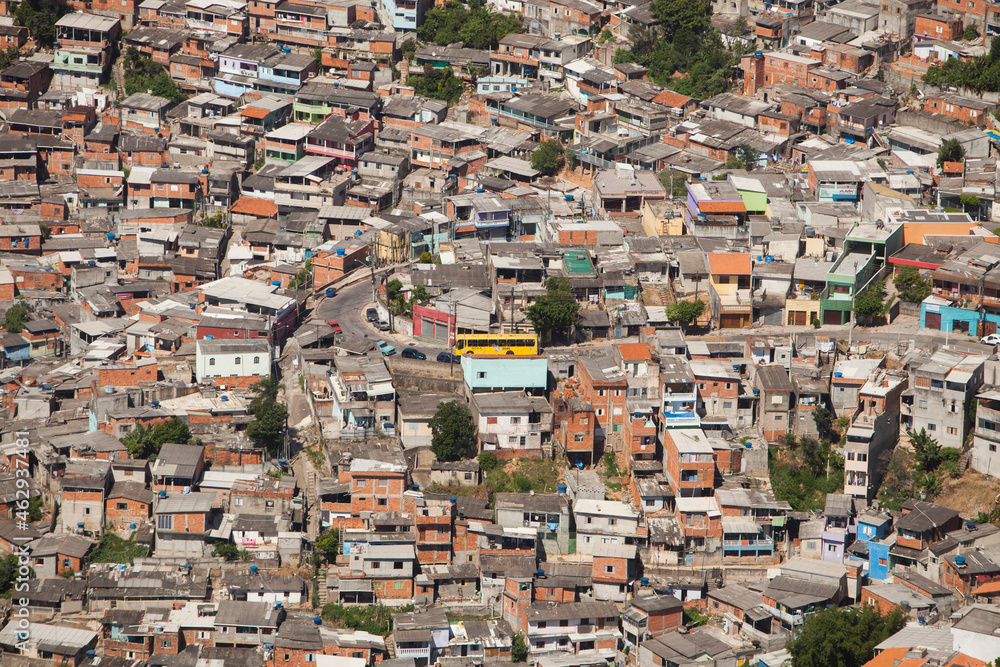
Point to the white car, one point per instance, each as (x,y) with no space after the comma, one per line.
(992,339)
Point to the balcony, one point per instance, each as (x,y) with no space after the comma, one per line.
(422,652)
(748,545)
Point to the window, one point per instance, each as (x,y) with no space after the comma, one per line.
(952,431)
(468,475)
(831,548)
(932,427)
(86,510)
(515,420)
(922,404)
(993,448)
(376,565)
(589,519)
(612,521)
(166,643)
(397,565)
(362,483)
(383,502)
(66,562)
(121,506)
(165,522)
(256,360)
(577,438)
(397,585)
(481,374)
(491,420)
(211,361)
(609,569)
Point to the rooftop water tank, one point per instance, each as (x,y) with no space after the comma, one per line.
(340,252)
(561,488)
(276,283)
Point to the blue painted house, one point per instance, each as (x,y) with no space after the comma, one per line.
(965,294)
(878,560)
(15,347)
(507,373)
(874,526)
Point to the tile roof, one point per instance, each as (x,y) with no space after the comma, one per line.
(729,264)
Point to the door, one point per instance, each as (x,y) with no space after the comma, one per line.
(797,318)
(932,321)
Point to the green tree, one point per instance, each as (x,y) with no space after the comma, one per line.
(474,24)
(8,572)
(394,296)
(426,258)
(518,649)
(453,435)
(142,73)
(746,157)
(685,312)
(910,286)
(408,48)
(268,427)
(328,545)
(824,423)
(438,84)
(226,550)
(488,461)
(674,182)
(969,201)
(605,37)
(13,321)
(926,450)
(839,637)
(950,151)
(39,17)
(970,33)
(145,442)
(555,311)
(420,295)
(549,157)
(870,303)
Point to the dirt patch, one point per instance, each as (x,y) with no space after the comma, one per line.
(970,494)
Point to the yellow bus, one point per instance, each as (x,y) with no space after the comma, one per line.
(513,344)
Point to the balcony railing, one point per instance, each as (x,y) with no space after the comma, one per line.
(748,545)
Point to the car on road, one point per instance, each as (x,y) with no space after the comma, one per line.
(333,324)
(992,339)
(447,357)
(385,348)
(371,315)
(412,353)
(382,325)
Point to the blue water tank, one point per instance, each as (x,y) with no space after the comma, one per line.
(192,306)
(163,494)
(960,561)
(569,197)
(209,336)
(277,605)
(282,462)
(540,573)
(111,236)
(416,487)
(204,170)
(276,283)
(253,569)
(80,524)
(317,620)
(341,252)
(131,526)
(644,581)
(561,488)
(224,398)
(453,500)
(579,465)
(156,404)
(838,374)
(288,49)
(91,654)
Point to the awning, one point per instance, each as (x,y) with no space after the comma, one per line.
(757,613)
(355,586)
(778,522)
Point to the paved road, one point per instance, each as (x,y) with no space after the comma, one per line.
(349,306)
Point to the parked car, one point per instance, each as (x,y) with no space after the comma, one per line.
(385,348)
(333,324)
(992,339)
(411,353)
(382,325)
(371,315)
(447,357)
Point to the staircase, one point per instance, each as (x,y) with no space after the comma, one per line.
(390,646)
(963,461)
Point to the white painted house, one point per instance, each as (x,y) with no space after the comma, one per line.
(232,358)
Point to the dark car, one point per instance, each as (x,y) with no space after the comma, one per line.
(447,357)
(371,315)
(411,353)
